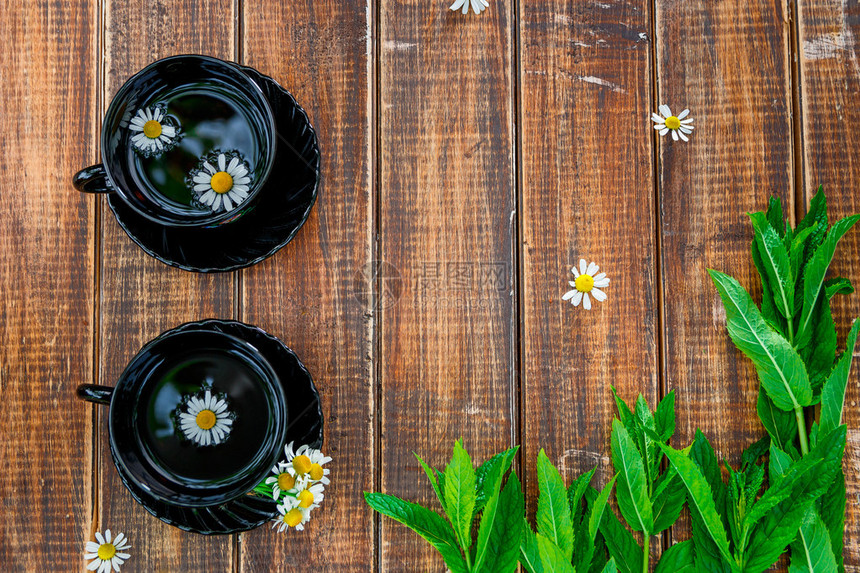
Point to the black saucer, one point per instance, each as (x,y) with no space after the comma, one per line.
(284,203)
(305,427)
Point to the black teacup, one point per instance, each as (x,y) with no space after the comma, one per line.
(187,141)
(197,419)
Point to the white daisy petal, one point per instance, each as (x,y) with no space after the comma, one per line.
(664,131)
(660,126)
(135,128)
(664,109)
(592,268)
(688,121)
(598,294)
(602,283)
(656,118)
(674,135)
(684,114)
(569,294)
(682,136)
(575,271)
(231,167)
(228,205)
(577,298)
(586,301)
(582,266)
(242,180)
(168,131)
(222,162)
(202,178)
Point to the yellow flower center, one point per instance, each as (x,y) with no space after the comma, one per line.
(305,498)
(221,182)
(672,122)
(286,481)
(106,551)
(584,283)
(293,517)
(151,129)
(302,464)
(316,472)
(206,419)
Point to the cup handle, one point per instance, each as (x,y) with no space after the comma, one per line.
(95,393)
(92,179)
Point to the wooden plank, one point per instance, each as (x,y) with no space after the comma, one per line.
(141,297)
(587,192)
(47,271)
(829,55)
(305,294)
(447,218)
(728,63)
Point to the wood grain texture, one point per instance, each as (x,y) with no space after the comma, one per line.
(47,254)
(447,218)
(587,192)
(305,294)
(829,52)
(728,63)
(141,297)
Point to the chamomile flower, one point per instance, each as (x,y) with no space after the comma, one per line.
(307,461)
(152,133)
(224,188)
(678,125)
(108,553)
(290,514)
(478,6)
(311,496)
(586,282)
(207,420)
(284,481)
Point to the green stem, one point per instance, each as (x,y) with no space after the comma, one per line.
(801,430)
(790,323)
(646,541)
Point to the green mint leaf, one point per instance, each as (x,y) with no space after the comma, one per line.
(837,285)
(779,366)
(489,476)
(809,478)
(667,500)
(598,508)
(647,434)
(460,494)
(529,551)
(795,254)
(625,414)
(833,393)
(703,455)
(774,216)
(552,556)
(816,219)
(700,500)
(429,525)
(779,464)
(780,425)
(619,541)
(553,511)
(431,475)
(831,509)
(811,551)
(819,353)
(500,532)
(576,491)
(776,264)
(680,558)
(610,567)
(754,452)
(768,305)
(813,276)
(664,417)
(632,490)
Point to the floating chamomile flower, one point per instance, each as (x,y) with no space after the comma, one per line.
(676,124)
(291,515)
(307,461)
(206,421)
(153,135)
(108,553)
(478,6)
(224,188)
(283,480)
(586,282)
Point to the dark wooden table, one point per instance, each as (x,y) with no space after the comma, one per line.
(479,157)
